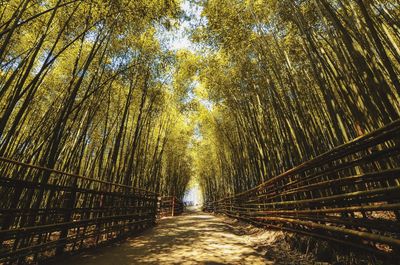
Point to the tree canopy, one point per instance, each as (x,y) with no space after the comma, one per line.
(290,80)
(90,87)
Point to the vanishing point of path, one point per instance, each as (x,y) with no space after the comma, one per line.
(192,238)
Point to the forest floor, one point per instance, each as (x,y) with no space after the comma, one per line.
(197,238)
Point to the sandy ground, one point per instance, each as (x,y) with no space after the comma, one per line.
(192,238)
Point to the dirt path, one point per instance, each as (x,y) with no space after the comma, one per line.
(193,238)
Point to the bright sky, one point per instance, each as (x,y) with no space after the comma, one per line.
(179,38)
(193,195)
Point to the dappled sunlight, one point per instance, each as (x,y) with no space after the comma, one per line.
(187,239)
(117,115)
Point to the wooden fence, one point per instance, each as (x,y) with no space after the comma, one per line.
(170,206)
(44,212)
(349,195)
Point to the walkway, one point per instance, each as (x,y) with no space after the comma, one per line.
(193,238)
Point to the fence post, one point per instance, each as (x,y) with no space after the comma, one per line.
(158,207)
(70,206)
(173,206)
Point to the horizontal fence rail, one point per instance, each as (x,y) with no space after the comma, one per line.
(170,206)
(45,212)
(349,195)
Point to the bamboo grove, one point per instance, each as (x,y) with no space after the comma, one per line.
(92,88)
(85,88)
(288,80)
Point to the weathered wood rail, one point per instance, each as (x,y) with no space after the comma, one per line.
(349,195)
(45,213)
(170,206)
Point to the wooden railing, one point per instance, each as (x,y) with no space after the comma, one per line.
(349,195)
(45,212)
(170,206)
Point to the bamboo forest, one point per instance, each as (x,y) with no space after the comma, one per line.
(200,132)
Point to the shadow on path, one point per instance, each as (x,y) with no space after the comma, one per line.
(192,238)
